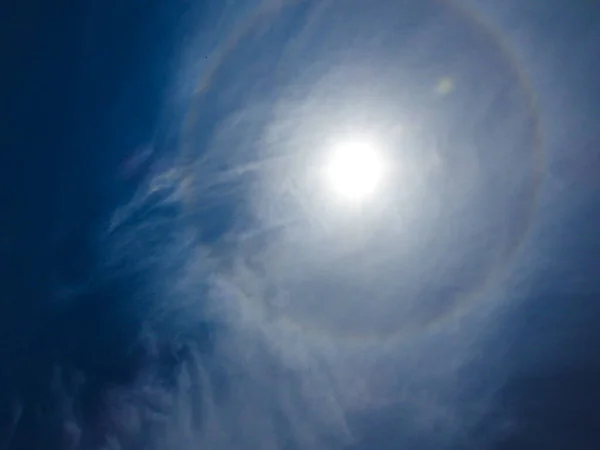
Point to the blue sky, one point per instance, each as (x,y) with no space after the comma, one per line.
(179,273)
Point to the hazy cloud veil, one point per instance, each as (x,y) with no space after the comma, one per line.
(268,322)
(261,315)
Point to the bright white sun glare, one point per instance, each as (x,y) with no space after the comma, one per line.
(355,170)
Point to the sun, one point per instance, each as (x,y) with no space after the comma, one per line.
(355,170)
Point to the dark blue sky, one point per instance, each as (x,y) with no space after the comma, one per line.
(170,279)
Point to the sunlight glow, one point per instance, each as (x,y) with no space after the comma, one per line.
(355,170)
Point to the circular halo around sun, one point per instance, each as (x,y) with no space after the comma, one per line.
(355,169)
